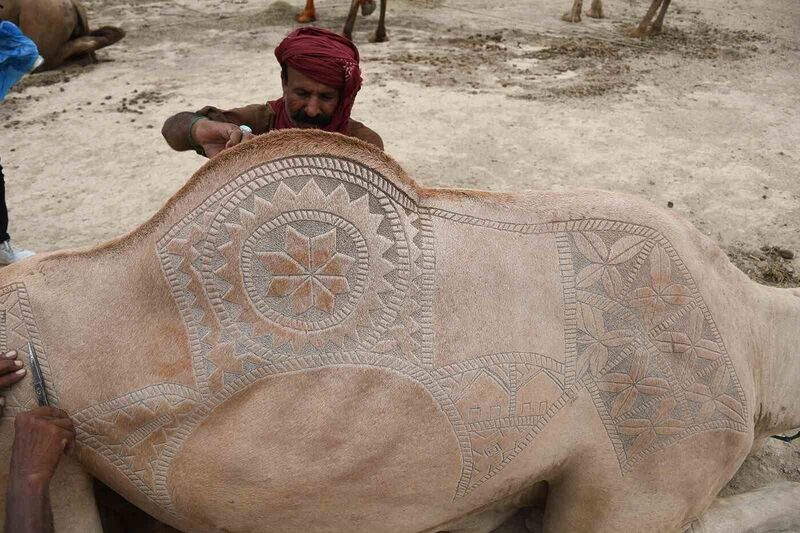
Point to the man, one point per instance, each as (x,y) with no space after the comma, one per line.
(320,76)
(41,437)
(18,56)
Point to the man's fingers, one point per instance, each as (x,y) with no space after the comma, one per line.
(64,423)
(12,354)
(49,411)
(6,380)
(234,138)
(10,365)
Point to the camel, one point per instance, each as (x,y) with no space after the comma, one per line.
(647,26)
(309,14)
(60,29)
(305,339)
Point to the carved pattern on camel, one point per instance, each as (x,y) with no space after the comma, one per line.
(311,262)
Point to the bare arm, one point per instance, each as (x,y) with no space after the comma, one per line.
(360,131)
(210,130)
(41,437)
(176,131)
(28,507)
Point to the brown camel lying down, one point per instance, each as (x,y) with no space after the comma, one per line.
(303,339)
(59,28)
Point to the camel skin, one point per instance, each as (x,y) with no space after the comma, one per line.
(304,339)
(309,14)
(60,29)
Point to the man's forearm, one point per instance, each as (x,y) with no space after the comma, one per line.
(28,507)
(176,131)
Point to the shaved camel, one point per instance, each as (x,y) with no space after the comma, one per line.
(646,27)
(60,29)
(309,14)
(304,339)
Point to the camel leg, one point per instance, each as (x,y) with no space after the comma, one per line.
(659,23)
(574,14)
(596,10)
(367,7)
(771,508)
(643,29)
(351,20)
(309,14)
(72,497)
(380,32)
(85,44)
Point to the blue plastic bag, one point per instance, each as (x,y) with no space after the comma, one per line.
(18,56)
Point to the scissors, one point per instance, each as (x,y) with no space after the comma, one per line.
(38,379)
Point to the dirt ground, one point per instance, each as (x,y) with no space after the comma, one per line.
(704,119)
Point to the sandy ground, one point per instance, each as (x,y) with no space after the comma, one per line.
(492,95)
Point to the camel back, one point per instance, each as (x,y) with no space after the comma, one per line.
(313,254)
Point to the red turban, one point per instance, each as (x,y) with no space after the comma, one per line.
(326,58)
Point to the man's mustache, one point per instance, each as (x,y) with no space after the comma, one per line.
(319,120)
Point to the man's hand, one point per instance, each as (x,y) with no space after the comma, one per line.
(11,371)
(41,437)
(215,136)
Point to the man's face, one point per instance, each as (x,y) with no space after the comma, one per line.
(310,104)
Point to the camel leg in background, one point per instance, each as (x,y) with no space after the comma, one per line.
(771,508)
(643,29)
(309,14)
(380,33)
(86,44)
(574,14)
(596,10)
(351,19)
(659,23)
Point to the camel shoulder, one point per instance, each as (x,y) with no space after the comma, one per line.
(360,131)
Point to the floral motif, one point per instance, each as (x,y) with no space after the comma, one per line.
(714,397)
(311,272)
(688,347)
(603,261)
(595,339)
(627,387)
(662,292)
(646,430)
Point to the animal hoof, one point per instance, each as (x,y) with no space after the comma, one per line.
(595,14)
(379,38)
(304,18)
(637,33)
(571,17)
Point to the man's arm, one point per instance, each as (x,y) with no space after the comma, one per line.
(41,437)
(176,131)
(211,130)
(360,131)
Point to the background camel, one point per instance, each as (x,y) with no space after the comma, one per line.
(60,28)
(309,14)
(647,25)
(305,339)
